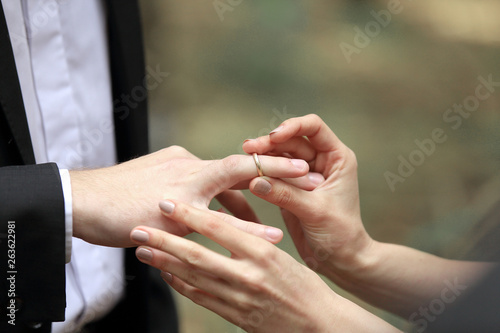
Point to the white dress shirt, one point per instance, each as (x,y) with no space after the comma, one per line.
(61,55)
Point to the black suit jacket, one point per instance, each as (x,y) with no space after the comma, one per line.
(31,196)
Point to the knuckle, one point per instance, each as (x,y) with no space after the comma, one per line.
(284,197)
(221,171)
(254,280)
(192,277)
(197,297)
(314,117)
(175,149)
(182,288)
(231,162)
(250,228)
(164,265)
(223,218)
(352,159)
(193,257)
(244,301)
(264,254)
(211,227)
(181,210)
(157,242)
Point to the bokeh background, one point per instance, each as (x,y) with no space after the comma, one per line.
(239,68)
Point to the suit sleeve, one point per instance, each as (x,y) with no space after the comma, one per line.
(475,310)
(32,244)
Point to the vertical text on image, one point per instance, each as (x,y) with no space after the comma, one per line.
(11,272)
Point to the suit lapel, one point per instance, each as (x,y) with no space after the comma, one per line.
(127,72)
(11,102)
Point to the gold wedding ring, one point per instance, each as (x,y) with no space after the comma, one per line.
(258,165)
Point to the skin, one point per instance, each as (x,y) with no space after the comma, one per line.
(259,288)
(108,203)
(326,227)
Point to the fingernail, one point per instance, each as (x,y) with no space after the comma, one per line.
(262,187)
(247,140)
(144,254)
(166,276)
(139,236)
(316,178)
(276,130)
(273,233)
(299,164)
(167,206)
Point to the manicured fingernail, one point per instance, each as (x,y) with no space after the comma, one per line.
(273,233)
(316,178)
(262,187)
(166,276)
(276,130)
(247,140)
(167,206)
(299,164)
(139,236)
(144,254)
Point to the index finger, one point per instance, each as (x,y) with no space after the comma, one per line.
(213,227)
(297,147)
(313,127)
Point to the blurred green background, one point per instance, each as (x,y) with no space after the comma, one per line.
(238,73)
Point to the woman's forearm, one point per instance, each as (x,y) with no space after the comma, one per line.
(403,280)
(326,226)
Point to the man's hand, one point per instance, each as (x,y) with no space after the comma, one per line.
(109,202)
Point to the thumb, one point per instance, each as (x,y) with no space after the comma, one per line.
(282,194)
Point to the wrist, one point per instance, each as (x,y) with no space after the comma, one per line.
(347,268)
(87,204)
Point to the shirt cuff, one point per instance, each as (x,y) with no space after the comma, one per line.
(68,210)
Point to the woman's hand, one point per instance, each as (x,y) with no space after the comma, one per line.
(259,288)
(325,223)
